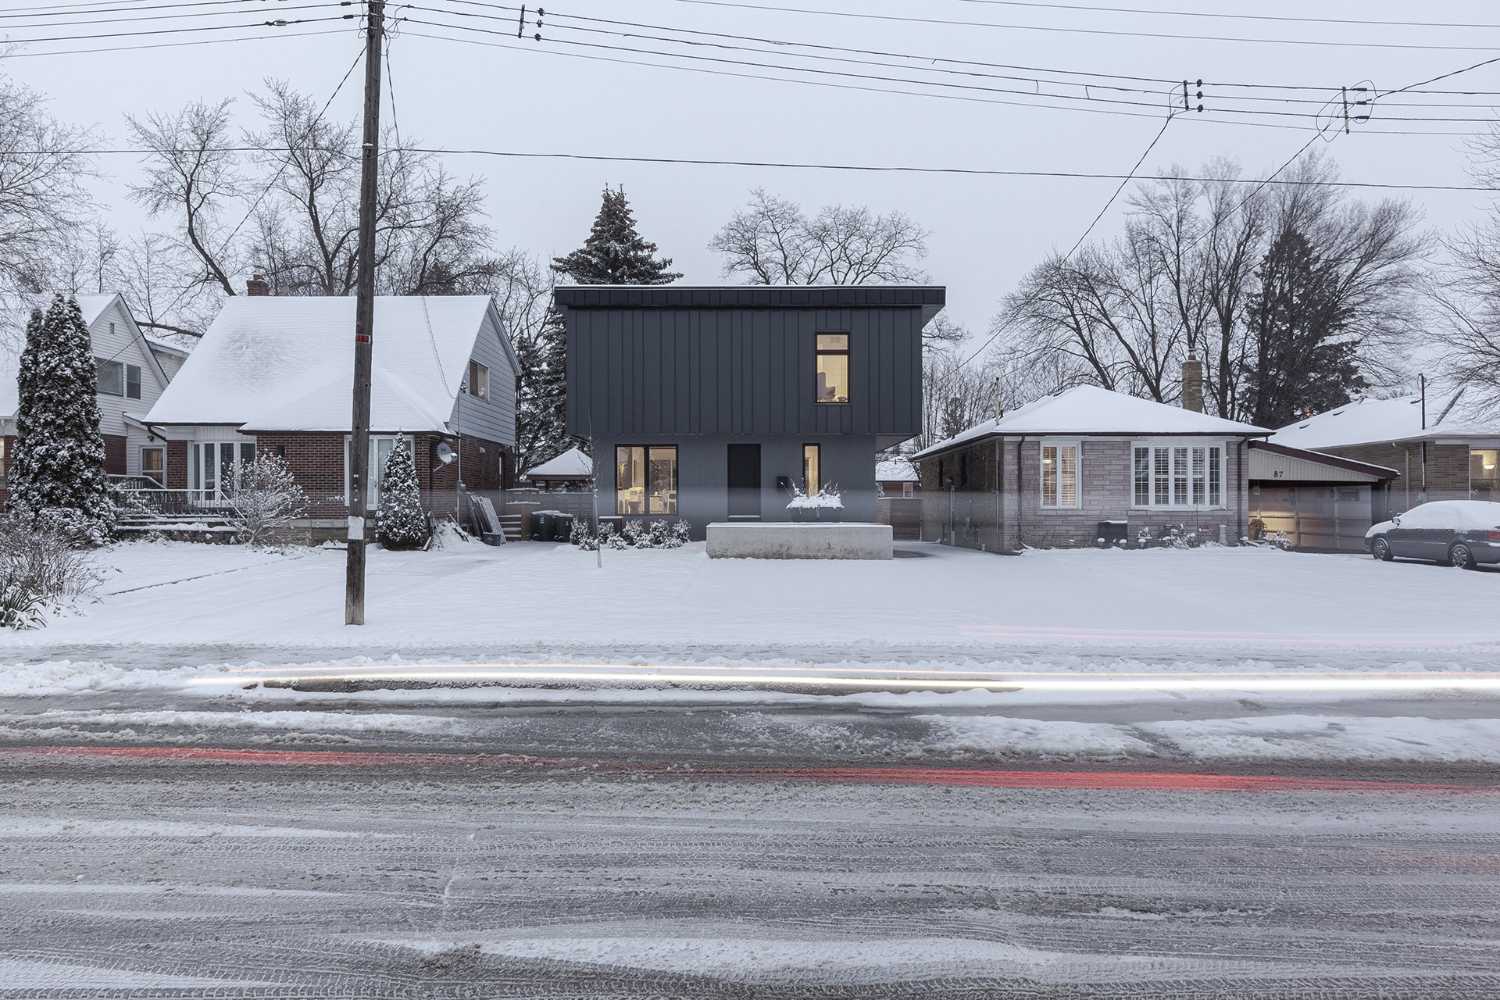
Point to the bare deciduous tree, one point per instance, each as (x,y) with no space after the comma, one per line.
(1180,277)
(1466,292)
(773,242)
(191,175)
(42,198)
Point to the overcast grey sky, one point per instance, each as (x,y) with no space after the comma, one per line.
(986,231)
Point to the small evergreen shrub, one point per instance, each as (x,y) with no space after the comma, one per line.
(402,523)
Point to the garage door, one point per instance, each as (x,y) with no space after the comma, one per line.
(1330,518)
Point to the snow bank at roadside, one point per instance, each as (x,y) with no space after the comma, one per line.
(1330,737)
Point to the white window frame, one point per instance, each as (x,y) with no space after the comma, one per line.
(1171,447)
(376,468)
(200,493)
(161,449)
(1041,465)
(478,372)
(112,365)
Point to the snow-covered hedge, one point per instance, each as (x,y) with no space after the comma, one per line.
(828,498)
(654,534)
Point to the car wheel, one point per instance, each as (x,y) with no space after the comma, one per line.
(1462,557)
(1381,549)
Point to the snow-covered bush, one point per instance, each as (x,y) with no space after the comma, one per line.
(402,522)
(264,500)
(636,535)
(828,498)
(610,538)
(682,533)
(40,568)
(582,535)
(57,467)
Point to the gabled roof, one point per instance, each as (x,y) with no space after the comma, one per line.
(1377,421)
(1089,410)
(895,470)
(271,363)
(571,463)
(92,307)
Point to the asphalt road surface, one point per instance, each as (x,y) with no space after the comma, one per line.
(198,871)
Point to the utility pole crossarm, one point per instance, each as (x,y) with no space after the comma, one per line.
(364,323)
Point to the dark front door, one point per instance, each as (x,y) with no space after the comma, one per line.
(744,481)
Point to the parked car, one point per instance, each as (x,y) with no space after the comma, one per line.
(1463,533)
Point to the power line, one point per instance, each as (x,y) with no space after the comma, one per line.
(1280,18)
(954,22)
(1089,81)
(278,23)
(177,45)
(56,10)
(881,78)
(172,17)
(967,98)
(1121,187)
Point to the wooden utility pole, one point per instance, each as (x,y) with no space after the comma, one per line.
(364,322)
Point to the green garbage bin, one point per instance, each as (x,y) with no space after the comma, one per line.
(562,528)
(541,527)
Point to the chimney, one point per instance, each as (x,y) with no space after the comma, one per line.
(1192,383)
(257,285)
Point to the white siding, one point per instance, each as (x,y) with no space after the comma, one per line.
(1268,466)
(493,419)
(114,337)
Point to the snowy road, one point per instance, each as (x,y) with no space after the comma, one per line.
(190,872)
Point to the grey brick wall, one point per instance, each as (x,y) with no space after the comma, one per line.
(1447,473)
(976,504)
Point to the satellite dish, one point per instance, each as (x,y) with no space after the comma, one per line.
(444,453)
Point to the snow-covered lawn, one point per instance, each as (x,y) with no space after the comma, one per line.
(940,598)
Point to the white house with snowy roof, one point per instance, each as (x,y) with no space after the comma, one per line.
(276,374)
(131,376)
(1087,466)
(573,469)
(1442,442)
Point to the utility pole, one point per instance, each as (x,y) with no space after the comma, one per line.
(364,323)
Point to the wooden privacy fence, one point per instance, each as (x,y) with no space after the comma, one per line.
(903,514)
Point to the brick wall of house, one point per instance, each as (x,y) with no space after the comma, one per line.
(317,462)
(177,465)
(1446,478)
(967,501)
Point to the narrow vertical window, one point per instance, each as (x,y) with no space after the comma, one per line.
(812,468)
(833,368)
(630,480)
(132,382)
(479,380)
(1215,476)
(1161,477)
(1179,476)
(1200,476)
(1049,476)
(1143,477)
(661,475)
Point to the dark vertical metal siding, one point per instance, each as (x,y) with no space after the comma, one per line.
(739,371)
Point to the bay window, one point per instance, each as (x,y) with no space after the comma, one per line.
(1060,464)
(1177,475)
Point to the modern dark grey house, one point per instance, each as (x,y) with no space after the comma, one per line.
(711,403)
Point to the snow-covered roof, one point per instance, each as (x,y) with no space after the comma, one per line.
(158,344)
(1088,409)
(273,363)
(895,470)
(1370,421)
(572,462)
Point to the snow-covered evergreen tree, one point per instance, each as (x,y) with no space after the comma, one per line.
(58,469)
(402,522)
(615,253)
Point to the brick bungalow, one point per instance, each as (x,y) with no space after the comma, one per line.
(1085,464)
(1442,444)
(275,374)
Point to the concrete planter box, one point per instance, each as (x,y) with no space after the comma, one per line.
(787,540)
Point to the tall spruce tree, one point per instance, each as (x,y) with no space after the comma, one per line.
(402,522)
(615,253)
(1304,360)
(58,470)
